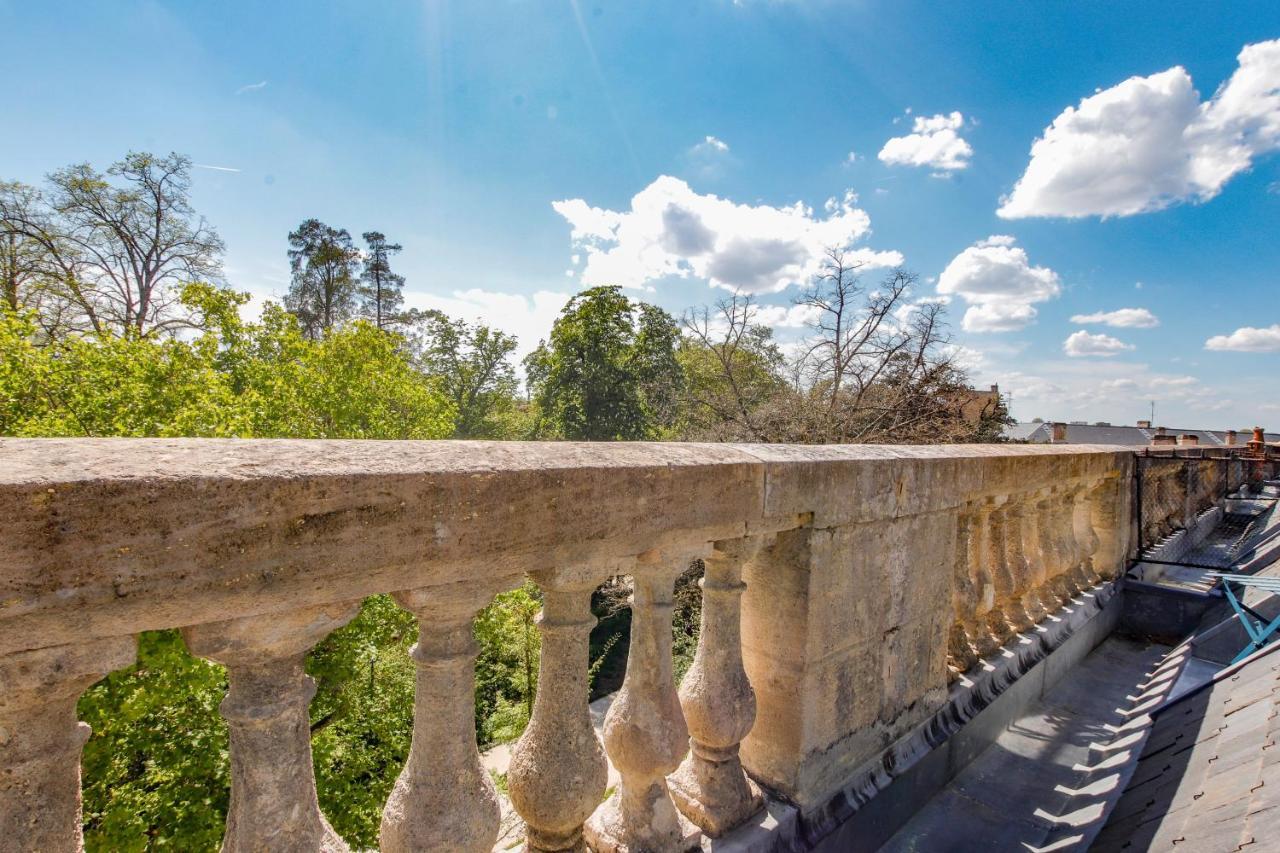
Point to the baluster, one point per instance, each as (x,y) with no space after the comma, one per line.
(1079,539)
(644,731)
(1105,522)
(710,787)
(1056,552)
(982,561)
(961,651)
(273,787)
(1000,623)
(1017,567)
(41,740)
(1043,560)
(1072,581)
(1087,536)
(558,771)
(444,798)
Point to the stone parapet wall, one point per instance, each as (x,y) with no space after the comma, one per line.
(1174,491)
(863,579)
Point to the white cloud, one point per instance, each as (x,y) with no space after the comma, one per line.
(670,230)
(998,317)
(710,145)
(934,142)
(252,87)
(528,317)
(996,279)
(1121,318)
(1150,142)
(785,316)
(709,160)
(1247,339)
(1082,344)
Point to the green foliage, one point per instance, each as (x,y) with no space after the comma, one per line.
(236,379)
(686,618)
(379,291)
(362,716)
(507,666)
(156,771)
(473,364)
(324,292)
(609,370)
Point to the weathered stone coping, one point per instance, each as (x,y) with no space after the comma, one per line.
(109,537)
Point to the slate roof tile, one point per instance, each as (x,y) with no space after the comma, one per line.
(1209,775)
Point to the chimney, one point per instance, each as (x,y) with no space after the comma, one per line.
(1258,446)
(1231,438)
(1059,432)
(1144,424)
(1162,440)
(1159,430)
(1189,440)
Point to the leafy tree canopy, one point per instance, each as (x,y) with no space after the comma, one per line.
(609,370)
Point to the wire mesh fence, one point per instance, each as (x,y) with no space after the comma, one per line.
(1172,491)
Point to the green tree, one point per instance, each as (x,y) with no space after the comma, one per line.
(261,379)
(609,370)
(507,665)
(323,292)
(473,364)
(735,376)
(156,768)
(380,296)
(112,250)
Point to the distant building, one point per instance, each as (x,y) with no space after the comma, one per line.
(981,404)
(1141,435)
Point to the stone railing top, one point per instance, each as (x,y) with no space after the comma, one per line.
(107,537)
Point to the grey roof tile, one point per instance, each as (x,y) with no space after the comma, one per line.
(1209,775)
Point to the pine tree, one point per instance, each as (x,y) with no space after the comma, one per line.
(380,296)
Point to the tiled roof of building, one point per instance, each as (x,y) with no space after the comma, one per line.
(1209,776)
(1123,436)
(1026,432)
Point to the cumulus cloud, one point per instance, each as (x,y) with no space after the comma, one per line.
(934,142)
(785,316)
(1121,318)
(1247,339)
(670,230)
(1150,142)
(1082,344)
(996,279)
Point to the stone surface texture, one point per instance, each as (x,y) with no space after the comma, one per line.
(710,787)
(558,772)
(876,576)
(443,799)
(273,787)
(645,732)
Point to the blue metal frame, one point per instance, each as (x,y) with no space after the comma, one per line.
(1259,633)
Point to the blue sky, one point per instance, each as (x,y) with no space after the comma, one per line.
(694,147)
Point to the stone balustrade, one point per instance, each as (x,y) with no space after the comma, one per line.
(1175,489)
(845,588)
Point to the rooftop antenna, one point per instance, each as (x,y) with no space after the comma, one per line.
(1153,412)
